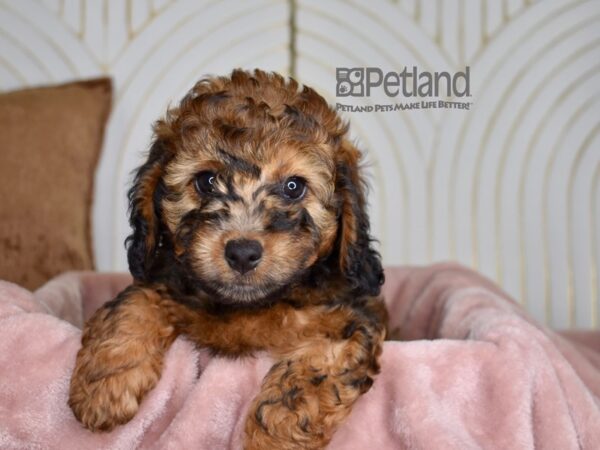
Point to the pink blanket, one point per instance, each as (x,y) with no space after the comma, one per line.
(473,372)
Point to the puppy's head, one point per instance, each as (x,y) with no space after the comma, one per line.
(251,182)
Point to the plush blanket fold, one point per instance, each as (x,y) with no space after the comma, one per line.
(472,371)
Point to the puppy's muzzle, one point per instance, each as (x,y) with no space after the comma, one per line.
(243,255)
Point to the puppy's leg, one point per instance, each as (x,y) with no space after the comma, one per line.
(121,358)
(311,390)
(327,359)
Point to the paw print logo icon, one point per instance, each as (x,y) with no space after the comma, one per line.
(350,82)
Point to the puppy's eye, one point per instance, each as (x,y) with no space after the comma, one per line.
(294,188)
(205,182)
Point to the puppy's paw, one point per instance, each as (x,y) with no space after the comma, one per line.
(104,394)
(286,414)
(304,398)
(120,360)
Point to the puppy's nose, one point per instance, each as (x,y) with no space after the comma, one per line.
(243,255)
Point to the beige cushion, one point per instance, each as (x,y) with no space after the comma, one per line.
(50,141)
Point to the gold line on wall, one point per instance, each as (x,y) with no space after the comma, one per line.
(461,33)
(128,19)
(82,8)
(292,38)
(439,25)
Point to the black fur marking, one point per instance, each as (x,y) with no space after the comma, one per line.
(289,399)
(238,164)
(362,384)
(281,221)
(258,414)
(113,305)
(336,392)
(232,195)
(302,122)
(261,189)
(304,423)
(317,380)
(217,97)
(362,265)
(139,255)
(349,329)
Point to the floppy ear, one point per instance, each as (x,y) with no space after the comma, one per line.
(358,261)
(144,208)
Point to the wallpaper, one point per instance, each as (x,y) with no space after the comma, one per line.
(509,186)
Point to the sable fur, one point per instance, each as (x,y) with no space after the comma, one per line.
(311,301)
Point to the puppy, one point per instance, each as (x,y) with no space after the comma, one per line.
(249,233)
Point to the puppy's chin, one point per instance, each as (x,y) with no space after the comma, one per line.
(245,294)
(242,293)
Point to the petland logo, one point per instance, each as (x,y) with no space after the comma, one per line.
(364,81)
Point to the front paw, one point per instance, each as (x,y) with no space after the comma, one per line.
(304,398)
(120,360)
(107,392)
(286,414)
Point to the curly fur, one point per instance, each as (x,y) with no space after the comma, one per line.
(311,301)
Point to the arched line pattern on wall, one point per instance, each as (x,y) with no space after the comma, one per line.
(551,15)
(555,106)
(486,35)
(515,81)
(378,15)
(40,28)
(553,70)
(550,165)
(26,52)
(575,168)
(186,18)
(153,13)
(189,82)
(510,89)
(415,9)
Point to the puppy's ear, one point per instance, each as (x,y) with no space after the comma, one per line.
(358,261)
(144,210)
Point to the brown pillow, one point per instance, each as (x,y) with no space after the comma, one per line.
(50,141)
